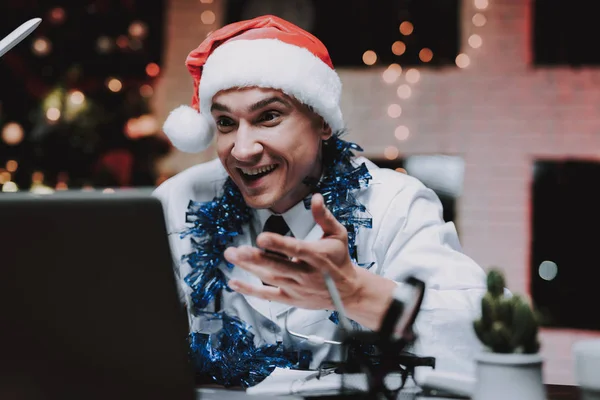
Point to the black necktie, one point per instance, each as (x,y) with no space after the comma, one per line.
(276,224)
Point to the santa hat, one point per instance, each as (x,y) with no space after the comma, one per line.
(266,52)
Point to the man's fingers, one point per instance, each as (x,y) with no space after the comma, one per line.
(271,293)
(270,268)
(313,254)
(325,219)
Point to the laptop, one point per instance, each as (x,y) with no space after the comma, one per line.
(88,302)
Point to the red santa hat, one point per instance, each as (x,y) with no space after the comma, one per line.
(266,52)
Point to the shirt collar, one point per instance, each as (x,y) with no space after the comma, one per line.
(299,219)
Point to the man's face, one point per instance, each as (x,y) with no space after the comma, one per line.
(269,143)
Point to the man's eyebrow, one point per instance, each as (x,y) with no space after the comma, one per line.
(219,107)
(270,100)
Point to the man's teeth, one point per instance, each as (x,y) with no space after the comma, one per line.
(256,171)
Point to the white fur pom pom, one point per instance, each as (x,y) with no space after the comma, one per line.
(188,130)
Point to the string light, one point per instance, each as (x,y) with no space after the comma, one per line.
(208,17)
(406,28)
(398,48)
(152,69)
(12,133)
(41,46)
(479,20)
(146,90)
(462,60)
(369,57)
(481,4)
(12,165)
(404,91)
(402,132)
(394,110)
(52,114)
(413,75)
(114,85)
(425,54)
(391,152)
(475,41)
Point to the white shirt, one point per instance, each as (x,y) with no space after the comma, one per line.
(408,238)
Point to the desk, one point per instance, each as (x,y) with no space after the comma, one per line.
(554,392)
(562,392)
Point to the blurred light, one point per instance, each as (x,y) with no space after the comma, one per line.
(390,75)
(145,125)
(61,186)
(402,132)
(462,60)
(138,29)
(104,44)
(206,1)
(425,54)
(39,188)
(394,110)
(10,187)
(108,190)
(12,133)
(398,48)
(53,114)
(208,17)
(41,46)
(406,28)
(37,177)
(396,68)
(135,44)
(369,57)
(391,152)
(548,270)
(12,165)
(402,170)
(152,69)
(114,85)
(57,15)
(479,20)
(475,41)
(404,91)
(123,42)
(413,75)
(481,4)
(146,90)
(5,176)
(76,97)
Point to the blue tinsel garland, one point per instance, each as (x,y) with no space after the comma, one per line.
(230,357)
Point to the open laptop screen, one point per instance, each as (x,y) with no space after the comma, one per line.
(88,302)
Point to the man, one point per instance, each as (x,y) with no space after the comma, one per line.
(268,91)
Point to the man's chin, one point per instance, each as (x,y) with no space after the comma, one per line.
(260,202)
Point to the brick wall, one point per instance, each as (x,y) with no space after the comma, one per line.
(499,113)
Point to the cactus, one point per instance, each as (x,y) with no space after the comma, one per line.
(508,324)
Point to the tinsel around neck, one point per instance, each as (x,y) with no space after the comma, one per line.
(215,225)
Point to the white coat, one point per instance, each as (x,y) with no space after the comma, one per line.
(408,237)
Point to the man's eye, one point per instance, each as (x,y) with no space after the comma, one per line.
(225,122)
(269,116)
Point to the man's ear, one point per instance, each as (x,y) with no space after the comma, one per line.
(326,131)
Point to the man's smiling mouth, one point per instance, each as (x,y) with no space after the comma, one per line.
(253,174)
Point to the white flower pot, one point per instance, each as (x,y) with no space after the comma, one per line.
(586,353)
(509,376)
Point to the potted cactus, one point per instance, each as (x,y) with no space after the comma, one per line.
(511,368)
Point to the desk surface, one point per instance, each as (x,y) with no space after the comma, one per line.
(554,392)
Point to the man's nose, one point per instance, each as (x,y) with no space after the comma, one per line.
(246,148)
